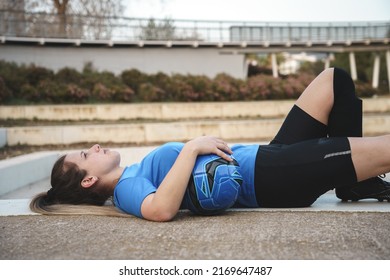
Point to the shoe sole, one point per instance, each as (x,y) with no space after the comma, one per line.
(381,199)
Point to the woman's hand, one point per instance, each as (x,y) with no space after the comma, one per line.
(165,202)
(210,145)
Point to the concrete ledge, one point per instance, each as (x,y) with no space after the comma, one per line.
(23,170)
(15,207)
(146,133)
(143,133)
(3,137)
(167,111)
(148,111)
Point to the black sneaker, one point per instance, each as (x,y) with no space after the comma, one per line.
(375,188)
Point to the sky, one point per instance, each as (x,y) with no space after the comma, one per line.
(262,10)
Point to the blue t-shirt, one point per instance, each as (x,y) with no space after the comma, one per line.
(141,179)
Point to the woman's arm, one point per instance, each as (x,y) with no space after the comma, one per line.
(164,204)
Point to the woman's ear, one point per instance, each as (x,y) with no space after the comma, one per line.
(89,181)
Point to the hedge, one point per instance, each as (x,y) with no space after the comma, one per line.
(30,84)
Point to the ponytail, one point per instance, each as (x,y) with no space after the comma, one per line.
(68,197)
(39,205)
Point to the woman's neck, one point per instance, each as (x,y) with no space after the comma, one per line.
(111,180)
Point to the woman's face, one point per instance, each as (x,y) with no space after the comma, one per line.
(96,161)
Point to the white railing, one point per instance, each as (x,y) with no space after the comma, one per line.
(44,25)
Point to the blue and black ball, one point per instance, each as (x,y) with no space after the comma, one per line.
(214,185)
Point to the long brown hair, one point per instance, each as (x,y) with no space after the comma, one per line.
(68,197)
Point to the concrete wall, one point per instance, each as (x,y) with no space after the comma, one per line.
(151,111)
(3,137)
(23,170)
(206,61)
(244,121)
(150,133)
(143,133)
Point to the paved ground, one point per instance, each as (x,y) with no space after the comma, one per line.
(354,231)
(235,235)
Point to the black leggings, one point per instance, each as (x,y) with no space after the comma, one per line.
(307,158)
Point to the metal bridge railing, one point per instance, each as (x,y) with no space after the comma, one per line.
(44,25)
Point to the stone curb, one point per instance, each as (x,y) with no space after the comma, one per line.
(149,111)
(167,111)
(149,133)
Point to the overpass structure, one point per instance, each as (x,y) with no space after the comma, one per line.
(180,46)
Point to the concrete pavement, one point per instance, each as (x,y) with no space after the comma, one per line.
(264,234)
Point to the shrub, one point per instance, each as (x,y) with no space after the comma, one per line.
(69,75)
(257,88)
(50,91)
(365,90)
(163,82)
(35,74)
(76,94)
(224,87)
(30,93)
(13,77)
(150,93)
(34,84)
(102,93)
(123,93)
(275,88)
(178,89)
(243,90)
(159,79)
(202,87)
(5,93)
(292,87)
(106,87)
(133,78)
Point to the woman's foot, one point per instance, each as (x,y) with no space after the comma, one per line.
(374,188)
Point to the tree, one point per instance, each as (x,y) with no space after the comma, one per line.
(61,12)
(365,66)
(101,15)
(10,22)
(93,19)
(164,30)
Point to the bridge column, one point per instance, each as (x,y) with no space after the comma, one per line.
(388,67)
(327,63)
(274,65)
(375,74)
(352,65)
(328,58)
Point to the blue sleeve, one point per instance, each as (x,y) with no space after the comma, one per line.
(130,193)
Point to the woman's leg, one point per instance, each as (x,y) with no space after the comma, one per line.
(317,99)
(346,116)
(296,175)
(327,107)
(331,99)
(370,156)
(345,119)
(308,118)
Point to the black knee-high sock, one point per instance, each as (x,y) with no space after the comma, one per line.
(346,116)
